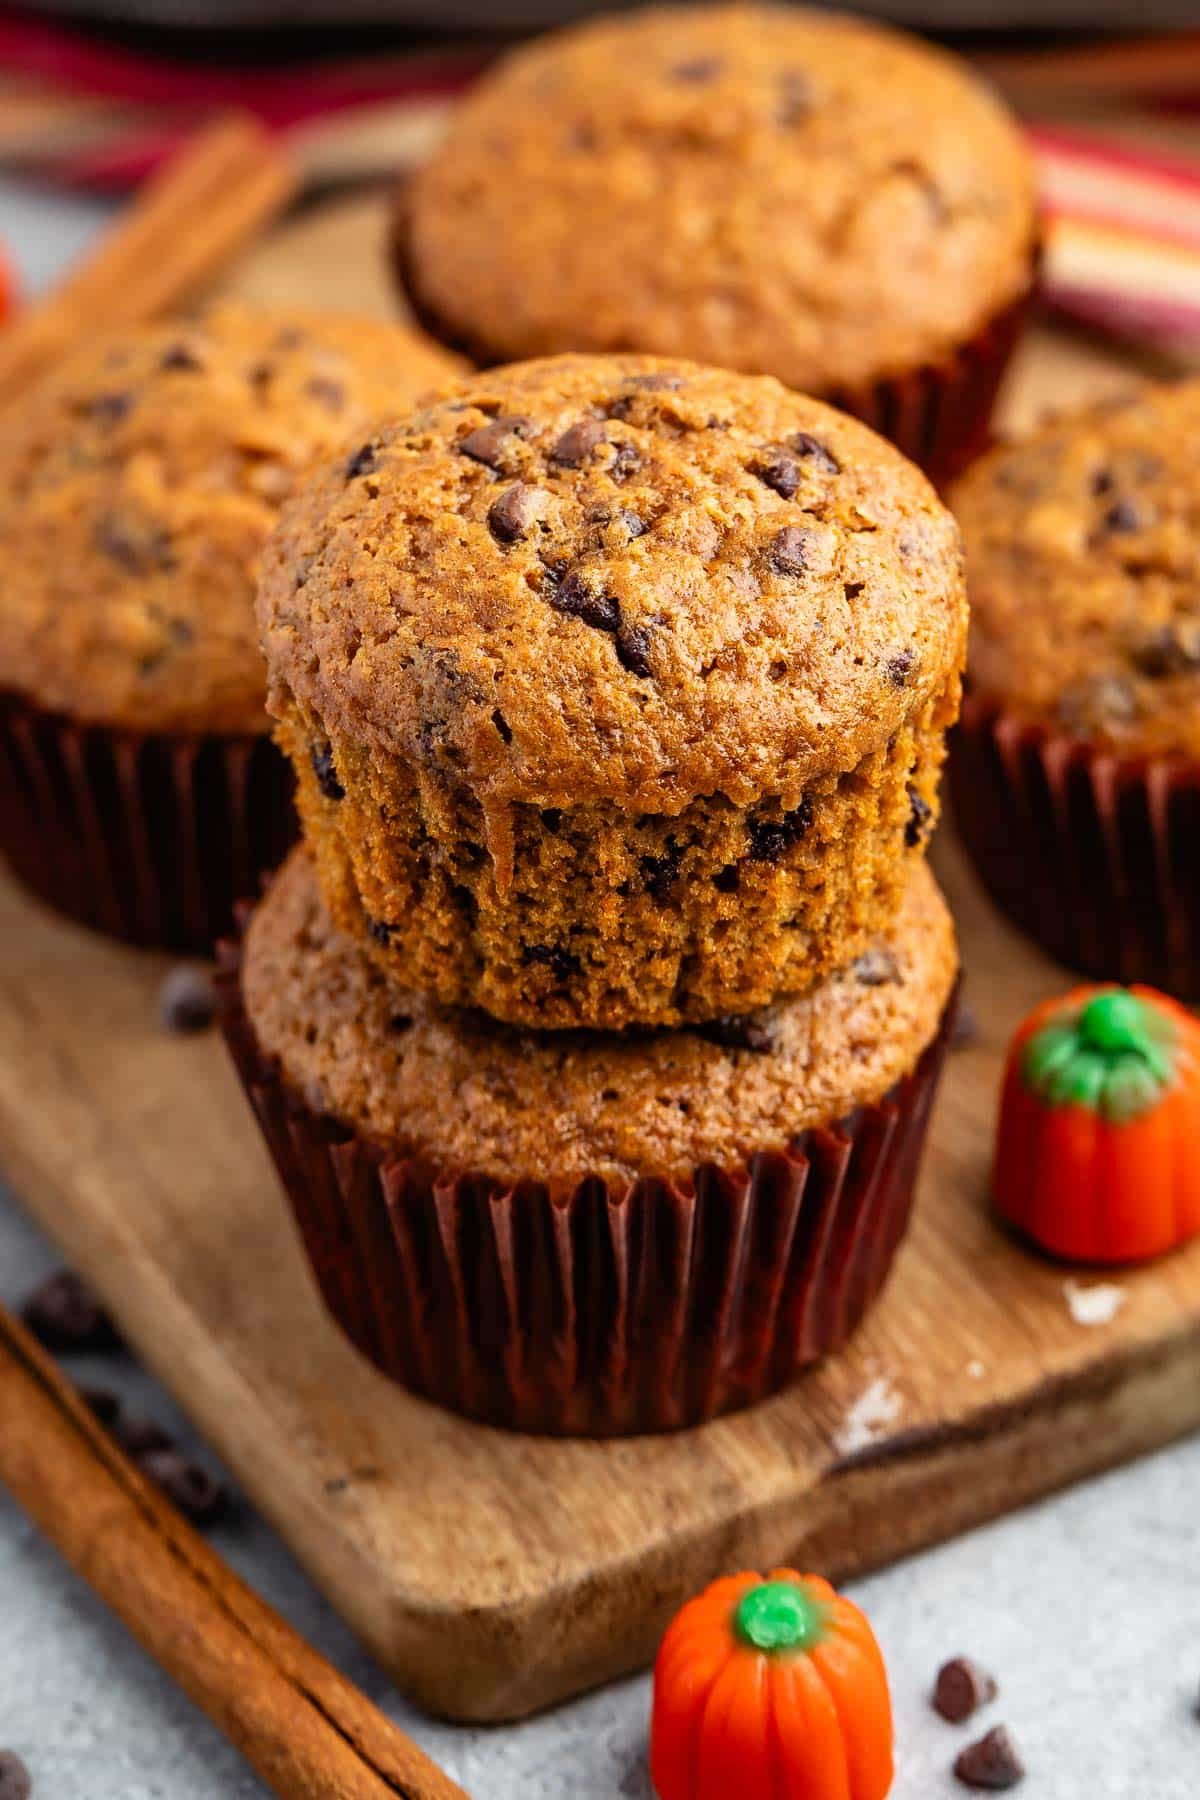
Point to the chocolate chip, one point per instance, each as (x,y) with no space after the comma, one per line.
(698,70)
(795,97)
(1124,516)
(326,774)
(516,510)
(199,1496)
(660,873)
(814,451)
(15,1782)
(920,813)
(771,839)
(633,522)
(633,649)
(139,1436)
(779,473)
(739,1031)
(180,356)
(400,1023)
(363,462)
(577,443)
(876,968)
(186,1001)
(1103,481)
(561,963)
(898,668)
(502,726)
(330,394)
(625,463)
(852,589)
(138,552)
(993,1763)
(110,409)
(1172,650)
(487,443)
(64,1314)
(657,381)
(552,820)
(103,1403)
(962,1687)
(728,880)
(381,933)
(789,550)
(575,597)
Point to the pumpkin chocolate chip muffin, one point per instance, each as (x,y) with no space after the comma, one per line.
(770,1159)
(1078,767)
(137,487)
(762,188)
(616,689)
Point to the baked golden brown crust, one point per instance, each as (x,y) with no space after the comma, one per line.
(137,487)
(474,1095)
(1084,572)
(616,688)
(758,187)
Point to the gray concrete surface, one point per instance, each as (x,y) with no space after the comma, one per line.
(1088,1607)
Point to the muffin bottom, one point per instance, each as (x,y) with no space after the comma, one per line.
(1094,856)
(149,838)
(597,1306)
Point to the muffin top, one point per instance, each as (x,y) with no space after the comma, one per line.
(616,578)
(472,1094)
(137,487)
(764,188)
(1083,558)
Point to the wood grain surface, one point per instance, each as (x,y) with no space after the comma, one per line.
(492,1574)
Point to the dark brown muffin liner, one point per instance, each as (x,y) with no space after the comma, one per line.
(1094,856)
(939,414)
(593,1311)
(149,838)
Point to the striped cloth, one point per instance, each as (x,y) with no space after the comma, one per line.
(1115,129)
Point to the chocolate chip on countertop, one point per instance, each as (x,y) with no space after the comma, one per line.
(486,444)
(560,962)
(186,1001)
(633,649)
(876,968)
(15,1782)
(363,462)
(789,550)
(771,839)
(577,443)
(103,1403)
(739,1031)
(64,1314)
(326,774)
(814,451)
(962,1687)
(899,667)
(579,600)
(200,1497)
(139,1436)
(516,511)
(992,1764)
(1172,650)
(919,814)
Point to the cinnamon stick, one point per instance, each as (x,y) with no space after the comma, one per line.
(186,224)
(309,1733)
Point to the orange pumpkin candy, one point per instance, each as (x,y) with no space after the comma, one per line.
(1098,1146)
(771,1689)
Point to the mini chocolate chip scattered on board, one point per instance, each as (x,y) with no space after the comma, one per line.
(992,1764)
(199,1496)
(962,1687)
(15,1783)
(186,1002)
(64,1314)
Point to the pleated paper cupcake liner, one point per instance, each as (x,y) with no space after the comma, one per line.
(594,1311)
(1094,856)
(149,838)
(939,414)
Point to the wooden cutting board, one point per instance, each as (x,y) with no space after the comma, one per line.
(493,1574)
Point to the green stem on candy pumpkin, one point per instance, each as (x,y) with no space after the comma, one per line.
(1114,1056)
(779,1616)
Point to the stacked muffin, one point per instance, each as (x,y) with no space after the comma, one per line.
(140,791)
(787,192)
(594,1027)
